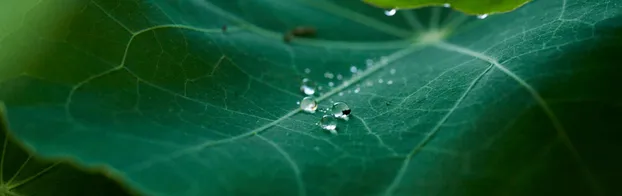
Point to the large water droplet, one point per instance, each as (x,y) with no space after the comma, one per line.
(482,16)
(390,12)
(328,123)
(341,110)
(308,104)
(308,87)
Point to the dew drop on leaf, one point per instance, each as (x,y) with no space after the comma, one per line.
(390,82)
(308,104)
(307,70)
(390,12)
(380,81)
(329,75)
(392,71)
(341,110)
(339,77)
(353,69)
(308,87)
(328,123)
(482,16)
(331,84)
(446,5)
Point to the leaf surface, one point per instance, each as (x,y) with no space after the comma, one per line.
(523,103)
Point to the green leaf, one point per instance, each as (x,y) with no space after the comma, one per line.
(22,173)
(524,103)
(466,6)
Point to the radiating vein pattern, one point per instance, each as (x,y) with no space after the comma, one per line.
(202,96)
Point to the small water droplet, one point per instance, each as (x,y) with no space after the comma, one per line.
(340,93)
(329,75)
(307,70)
(392,71)
(353,69)
(331,84)
(308,87)
(369,63)
(390,12)
(390,82)
(297,102)
(308,104)
(446,5)
(339,77)
(482,16)
(340,110)
(319,88)
(357,90)
(328,123)
(369,83)
(380,81)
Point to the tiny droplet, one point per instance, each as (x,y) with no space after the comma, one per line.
(308,104)
(340,93)
(390,82)
(369,63)
(331,84)
(353,69)
(339,77)
(308,87)
(307,70)
(380,81)
(390,12)
(328,123)
(357,90)
(482,16)
(446,5)
(329,75)
(340,110)
(392,71)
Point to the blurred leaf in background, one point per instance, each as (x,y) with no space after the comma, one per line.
(25,174)
(467,6)
(522,103)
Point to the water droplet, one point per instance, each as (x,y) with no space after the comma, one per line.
(340,110)
(329,75)
(328,123)
(390,82)
(369,63)
(308,87)
(308,104)
(482,16)
(353,69)
(380,81)
(307,70)
(297,102)
(331,84)
(339,77)
(340,93)
(446,5)
(392,71)
(357,90)
(390,12)
(319,88)
(369,83)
